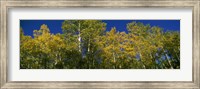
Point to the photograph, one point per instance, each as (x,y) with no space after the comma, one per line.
(93,44)
(99,44)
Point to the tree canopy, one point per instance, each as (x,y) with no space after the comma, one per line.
(85,44)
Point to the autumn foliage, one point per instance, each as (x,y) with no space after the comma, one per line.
(85,44)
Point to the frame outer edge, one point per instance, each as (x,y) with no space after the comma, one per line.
(198,63)
(100,3)
(195,42)
(102,0)
(196,34)
(0,40)
(196,39)
(198,67)
(1,43)
(3,60)
(4,45)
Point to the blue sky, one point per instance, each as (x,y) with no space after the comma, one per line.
(55,25)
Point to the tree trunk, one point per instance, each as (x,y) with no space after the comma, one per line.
(88,45)
(45,63)
(177,56)
(142,62)
(79,37)
(168,60)
(153,60)
(114,55)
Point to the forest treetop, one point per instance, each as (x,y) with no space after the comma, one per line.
(85,44)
